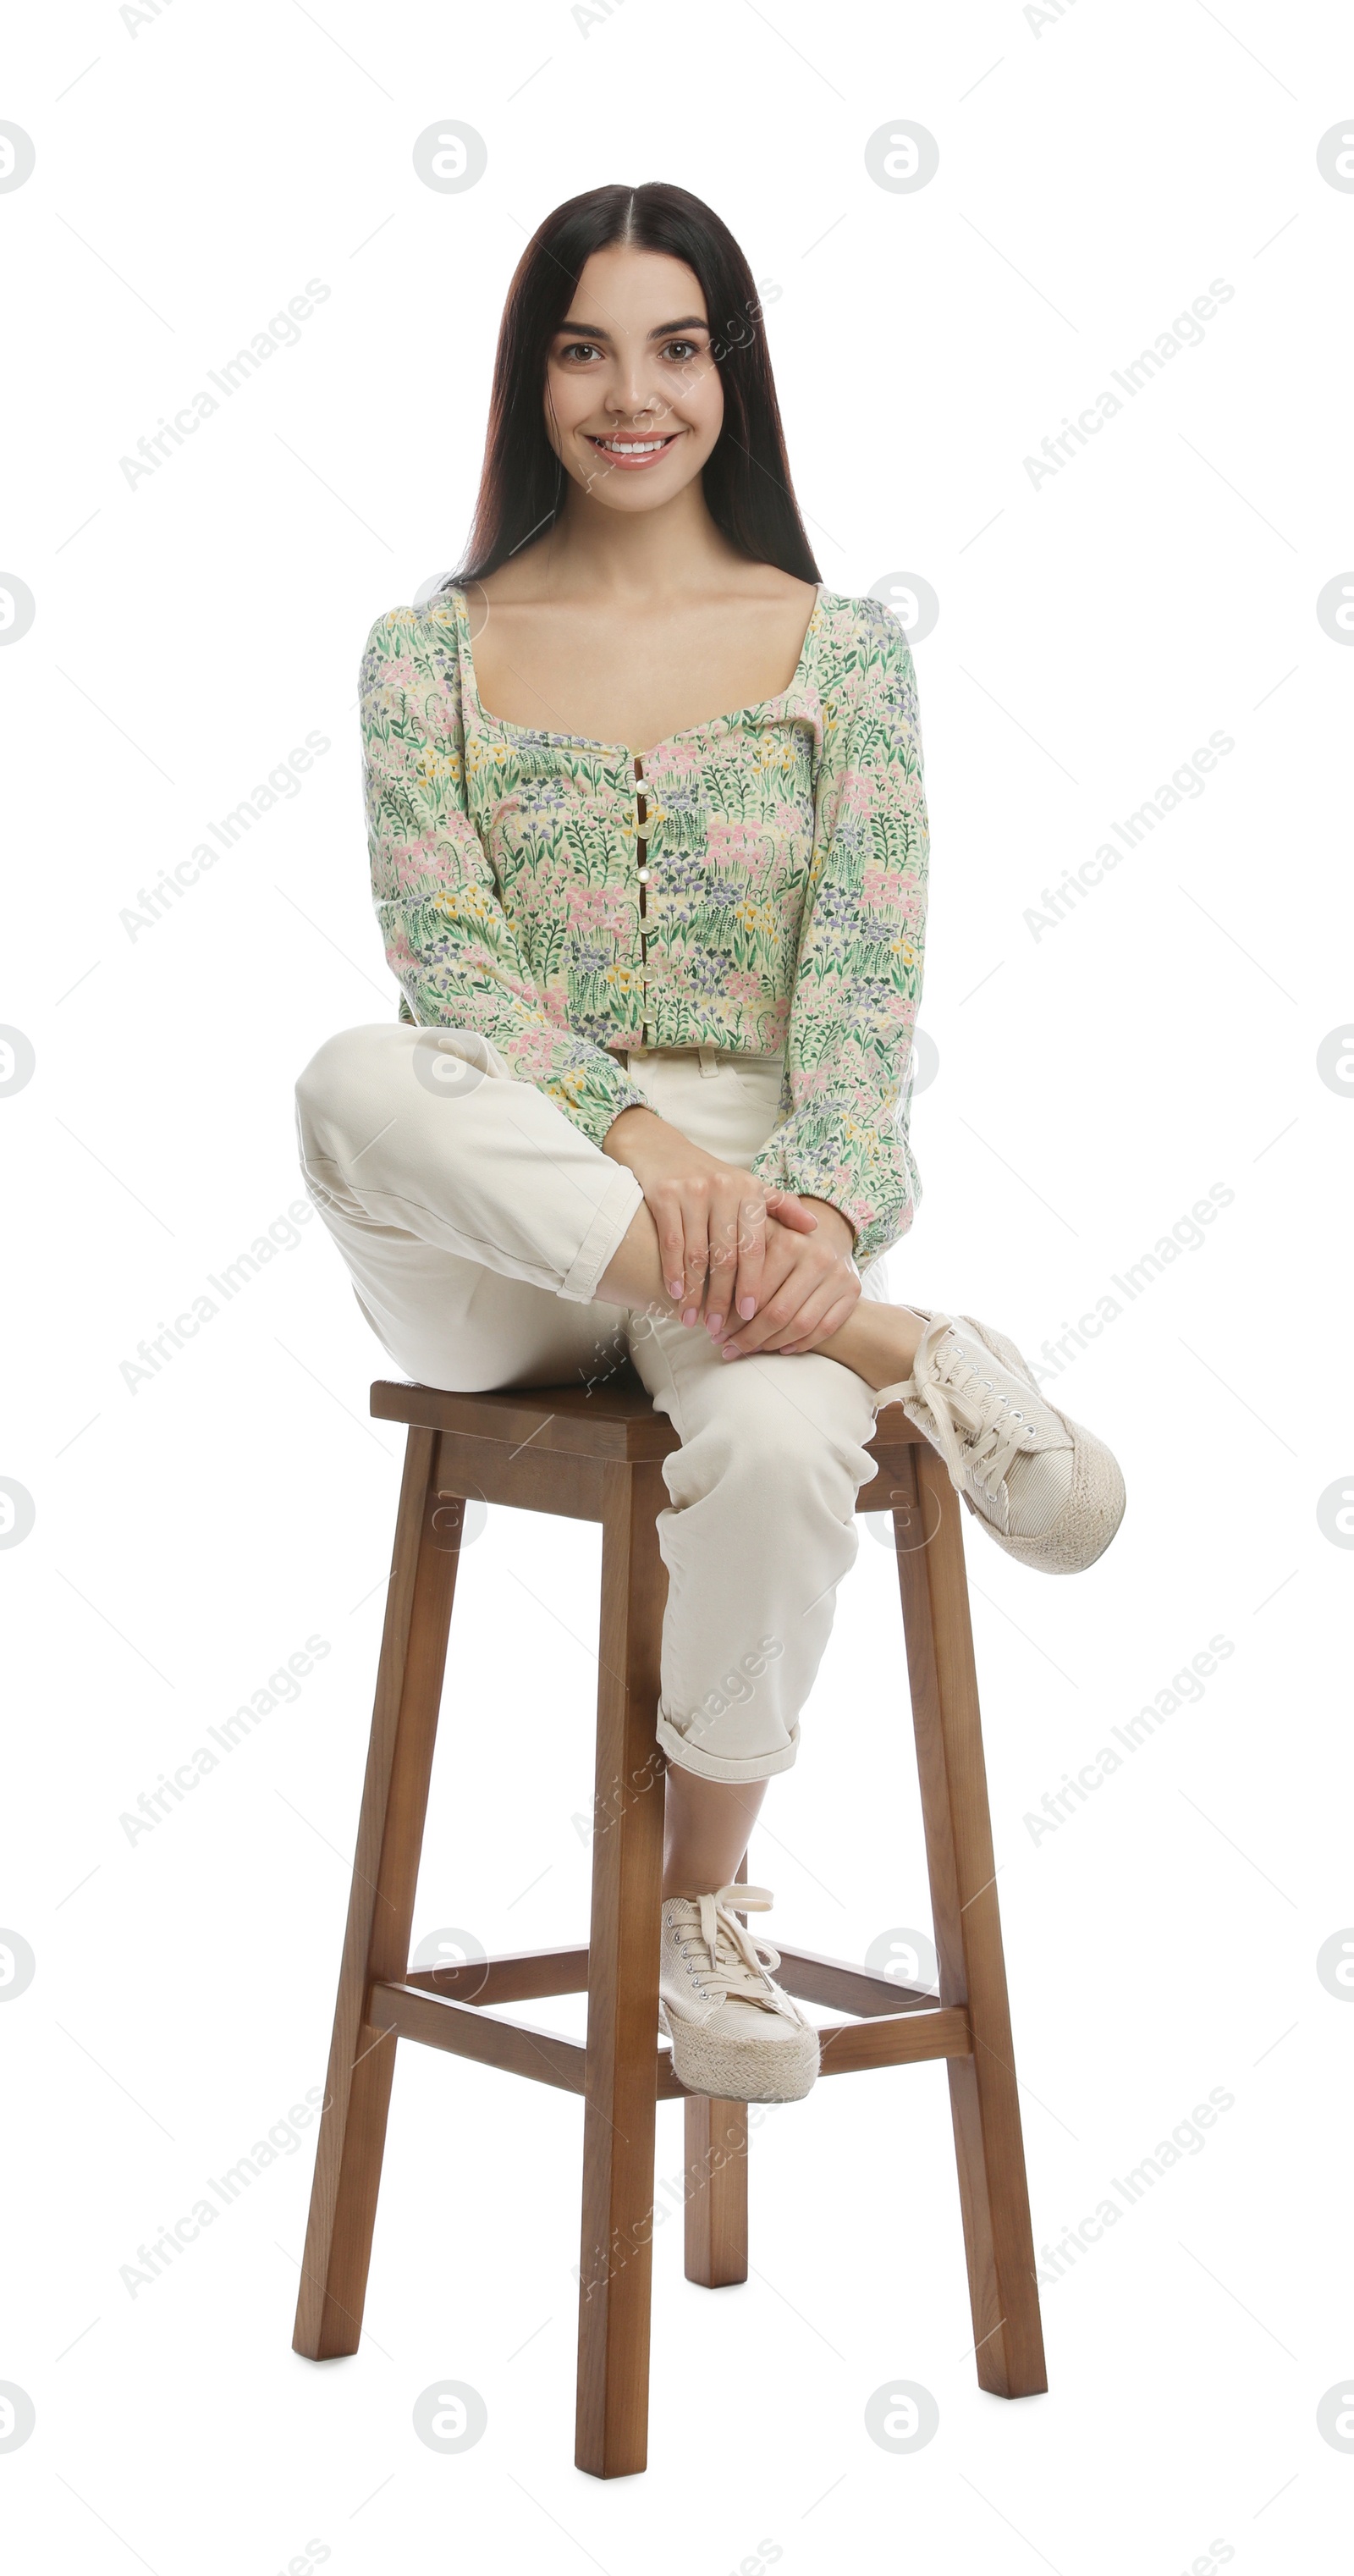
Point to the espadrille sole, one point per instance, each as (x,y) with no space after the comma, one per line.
(742,2070)
(1095,1506)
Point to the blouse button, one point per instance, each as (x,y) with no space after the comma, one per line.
(643,876)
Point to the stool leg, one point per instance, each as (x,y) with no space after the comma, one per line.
(716,2143)
(622,2058)
(984,2099)
(717,2188)
(380,1911)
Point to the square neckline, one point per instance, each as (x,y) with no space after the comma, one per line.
(622,750)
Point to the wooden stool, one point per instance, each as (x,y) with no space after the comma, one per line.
(596,1455)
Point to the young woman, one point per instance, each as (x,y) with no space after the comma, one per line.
(649,851)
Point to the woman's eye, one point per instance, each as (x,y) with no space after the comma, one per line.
(682,350)
(579,349)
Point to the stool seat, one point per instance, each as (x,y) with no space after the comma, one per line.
(596,1453)
(612,1420)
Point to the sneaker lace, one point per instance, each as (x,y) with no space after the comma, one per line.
(978,1430)
(736,1962)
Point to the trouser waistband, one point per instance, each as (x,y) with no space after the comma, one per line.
(708,1057)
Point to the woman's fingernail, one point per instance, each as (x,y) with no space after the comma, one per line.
(730,1351)
(674,1287)
(747,1308)
(716,1324)
(688,1314)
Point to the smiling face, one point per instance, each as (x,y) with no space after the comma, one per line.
(633,398)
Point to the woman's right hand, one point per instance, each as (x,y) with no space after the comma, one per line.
(710,1218)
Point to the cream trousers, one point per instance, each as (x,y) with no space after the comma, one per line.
(476,1220)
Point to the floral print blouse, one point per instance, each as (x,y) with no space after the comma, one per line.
(757,883)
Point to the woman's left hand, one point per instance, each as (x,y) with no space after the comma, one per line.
(809,1286)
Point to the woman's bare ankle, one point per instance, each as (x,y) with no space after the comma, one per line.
(879,1342)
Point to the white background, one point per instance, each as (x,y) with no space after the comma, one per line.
(1096,173)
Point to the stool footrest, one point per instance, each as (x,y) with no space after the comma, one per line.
(519,1975)
(896,2039)
(516,1976)
(410,2011)
(413,2012)
(816,1980)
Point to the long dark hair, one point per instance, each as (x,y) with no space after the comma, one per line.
(746,478)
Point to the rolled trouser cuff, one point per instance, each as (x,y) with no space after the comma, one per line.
(687,1756)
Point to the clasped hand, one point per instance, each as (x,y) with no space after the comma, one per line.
(764,1270)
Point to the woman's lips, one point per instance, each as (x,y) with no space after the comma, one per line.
(632,454)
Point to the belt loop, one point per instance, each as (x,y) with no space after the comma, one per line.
(708,1059)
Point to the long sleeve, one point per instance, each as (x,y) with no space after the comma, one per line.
(447,938)
(858,972)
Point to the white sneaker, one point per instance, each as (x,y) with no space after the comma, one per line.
(734,2034)
(1047,1490)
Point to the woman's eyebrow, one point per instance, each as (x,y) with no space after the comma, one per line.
(596,331)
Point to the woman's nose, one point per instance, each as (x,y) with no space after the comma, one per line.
(632,396)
